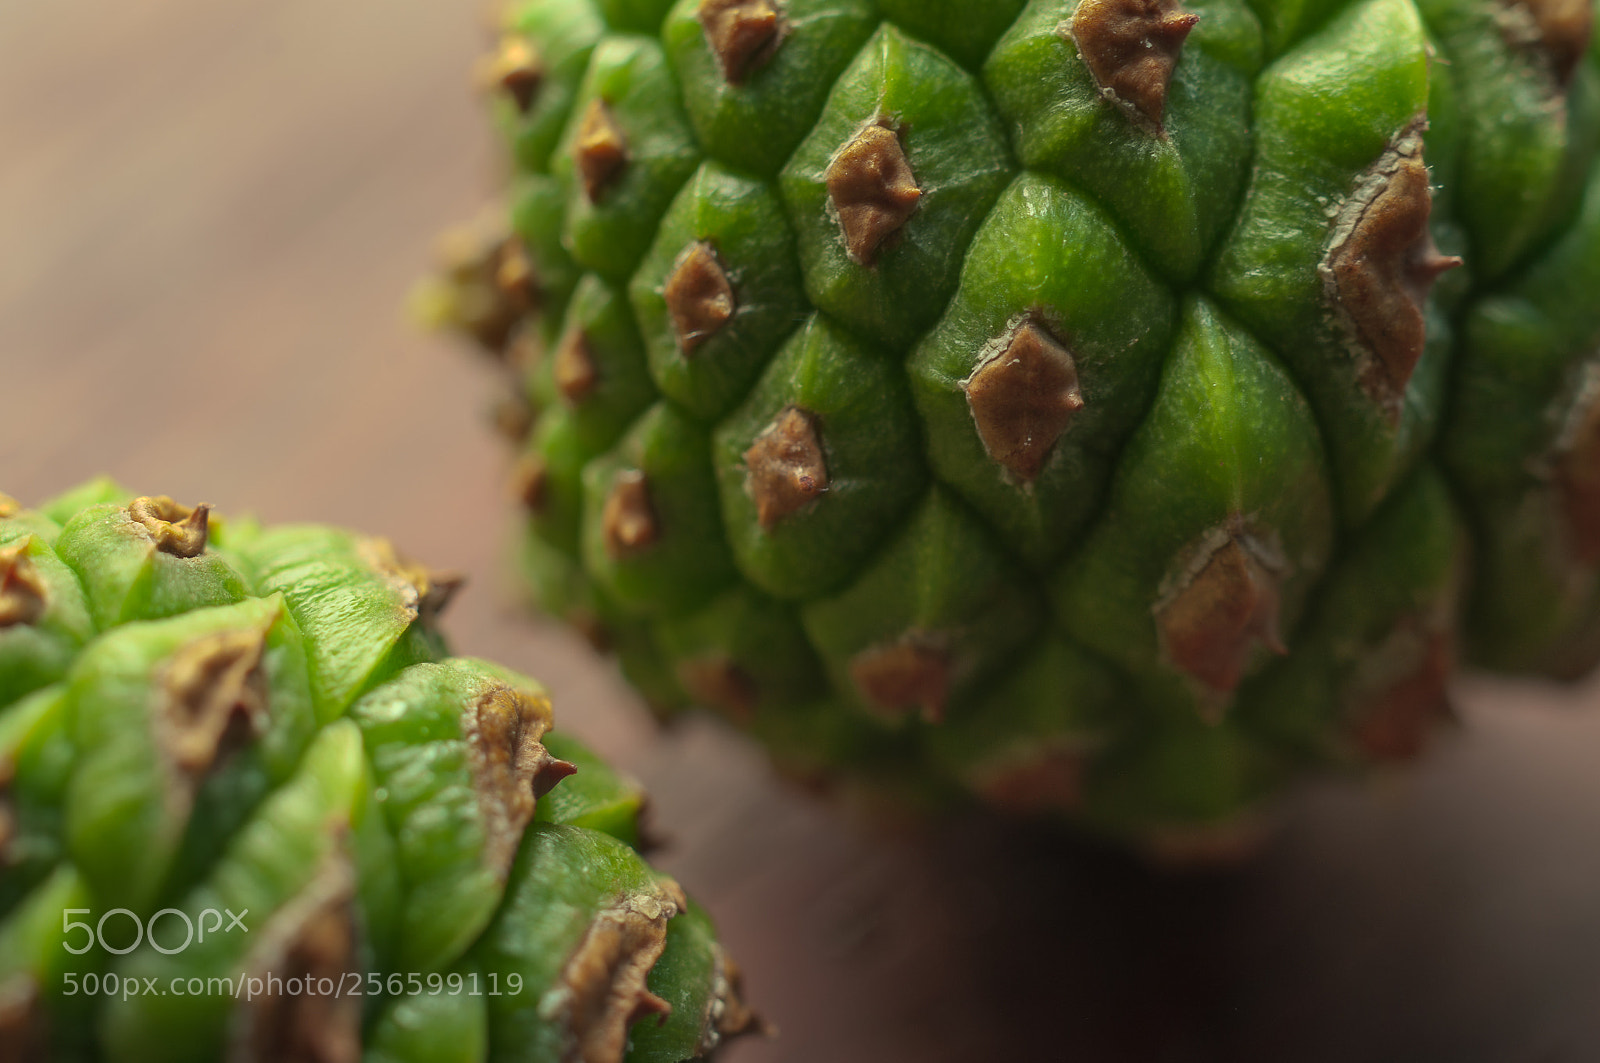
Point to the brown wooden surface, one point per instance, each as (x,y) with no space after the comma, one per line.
(210,212)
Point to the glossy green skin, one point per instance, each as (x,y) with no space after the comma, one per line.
(874,470)
(562,874)
(124,831)
(360,782)
(745,222)
(1181,269)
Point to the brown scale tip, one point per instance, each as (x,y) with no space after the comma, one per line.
(743,34)
(1393,722)
(515,69)
(730,1015)
(1224,602)
(24,1023)
(904,675)
(504,729)
(1381,264)
(1577,477)
(602,988)
(1560,32)
(872,189)
(426,591)
(1023,398)
(22,589)
(8,831)
(550,774)
(214,700)
(602,150)
(484,285)
(512,417)
(310,941)
(524,349)
(176,529)
(515,277)
(1131,48)
(652,1006)
(575,372)
(699,296)
(787,469)
(530,483)
(592,629)
(8,816)
(718,683)
(1040,780)
(628,522)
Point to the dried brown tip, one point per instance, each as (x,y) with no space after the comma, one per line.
(1222,604)
(213,700)
(744,35)
(699,296)
(176,529)
(530,483)
(575,372)
(504,729)
(1023,398)
(872,190)
(515,277)
(718,683)
(1381,264)
(550,775)
(592,629)
(484,285)
(602,151)
(22,589)
(1394,716)
(652,1006)
(1131,48)
(900,676)
(1034,781)
(512,417)
(310,943)
(1557,30)
(514,68)
(1575,469)
(8,832)
(787,469)
(425,591)
(8,819)
(9,507)
(524,350)
(602,989)
(628,522)
(730,1016)
(24,1024)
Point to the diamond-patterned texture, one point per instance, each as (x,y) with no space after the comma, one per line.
(956,416)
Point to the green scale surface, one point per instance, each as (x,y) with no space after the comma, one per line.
(350,814)
(1405,529)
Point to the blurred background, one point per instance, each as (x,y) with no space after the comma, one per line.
(210,214)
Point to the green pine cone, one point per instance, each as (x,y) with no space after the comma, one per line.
(202,720)
(1106,407)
